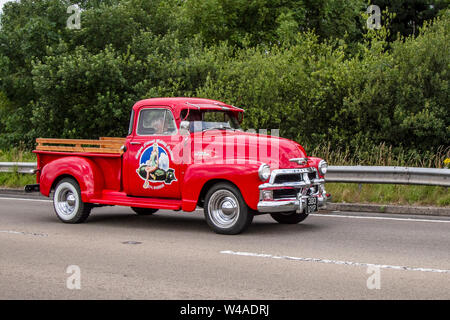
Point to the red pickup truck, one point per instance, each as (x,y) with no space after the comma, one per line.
(180,154)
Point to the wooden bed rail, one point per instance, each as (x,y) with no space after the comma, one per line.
(122,140)
(103,145)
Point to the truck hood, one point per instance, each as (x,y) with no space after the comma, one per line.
(246,146)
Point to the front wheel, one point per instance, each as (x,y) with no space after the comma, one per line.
(289,217)
(69,207)
(225,209)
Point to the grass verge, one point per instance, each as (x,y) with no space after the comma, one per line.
(16,180)
(382,155)
(17,155)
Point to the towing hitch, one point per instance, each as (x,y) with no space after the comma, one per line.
(32,188)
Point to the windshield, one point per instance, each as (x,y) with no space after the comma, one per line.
(202,120)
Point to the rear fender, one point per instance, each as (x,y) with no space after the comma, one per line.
(85,171)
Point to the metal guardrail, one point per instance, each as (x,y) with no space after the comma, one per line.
(389,175)
(20,167)
(344,174)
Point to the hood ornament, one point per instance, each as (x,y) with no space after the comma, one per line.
(300,161)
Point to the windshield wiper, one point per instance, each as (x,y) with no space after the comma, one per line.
(218,128)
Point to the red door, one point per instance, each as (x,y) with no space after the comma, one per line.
(150,168)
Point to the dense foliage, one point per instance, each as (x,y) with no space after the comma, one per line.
(310,68)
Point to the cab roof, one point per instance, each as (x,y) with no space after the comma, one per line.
(179,103)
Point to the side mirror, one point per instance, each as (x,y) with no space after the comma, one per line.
(184,128)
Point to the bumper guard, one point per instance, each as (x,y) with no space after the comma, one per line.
(298,203)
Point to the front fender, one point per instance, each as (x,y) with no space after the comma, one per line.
(245,177)
(85,171)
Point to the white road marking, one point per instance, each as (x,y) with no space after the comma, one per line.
(25,199)
(313,214)
(348,263)
(24,233)
(378,218)
(367,217)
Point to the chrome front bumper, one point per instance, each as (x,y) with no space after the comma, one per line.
(288,205)
(306,188)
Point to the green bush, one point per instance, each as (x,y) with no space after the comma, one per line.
(316,94)
(389,194)
(400,97)
(308,68)
(83,95)
(292,88)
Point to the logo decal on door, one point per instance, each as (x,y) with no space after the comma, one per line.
(154,166)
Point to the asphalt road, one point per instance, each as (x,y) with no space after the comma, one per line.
(174,255)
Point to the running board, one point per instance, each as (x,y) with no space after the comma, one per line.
(121,199)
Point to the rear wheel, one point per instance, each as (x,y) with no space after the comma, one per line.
(289,217)
(225,209)
(144,211)
(69,207)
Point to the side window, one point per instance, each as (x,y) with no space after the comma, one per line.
(156,122)
(130,128)
(170,126)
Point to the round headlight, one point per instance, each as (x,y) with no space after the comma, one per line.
(323,166)
(264,172)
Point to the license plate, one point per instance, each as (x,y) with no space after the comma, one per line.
(311,205)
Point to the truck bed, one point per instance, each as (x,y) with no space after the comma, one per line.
(102,145)
(103,155)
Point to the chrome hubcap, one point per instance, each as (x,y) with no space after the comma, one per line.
(71,200)
(223,208)
(65,201)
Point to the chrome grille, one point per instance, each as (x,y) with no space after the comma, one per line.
(285,193)
(287,175)
(313,175)
(282,178)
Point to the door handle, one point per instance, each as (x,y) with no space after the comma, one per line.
(136,143)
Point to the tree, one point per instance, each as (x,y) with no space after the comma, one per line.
(410,14)
(242,22)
